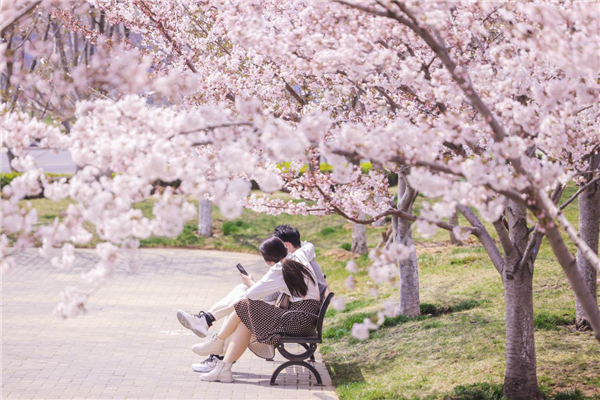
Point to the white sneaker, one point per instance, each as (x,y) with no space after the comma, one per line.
(221,373)
(196,323)
(214,345)
(208,364)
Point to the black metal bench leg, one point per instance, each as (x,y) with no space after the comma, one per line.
(312,357)
(300,363)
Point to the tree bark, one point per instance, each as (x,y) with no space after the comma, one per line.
(10,155)
(589,227)
(520,378)
(205,218)
(359,237)
(380,222)
(410,304)
(454,221)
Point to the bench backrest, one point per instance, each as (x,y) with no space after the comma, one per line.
(322,315)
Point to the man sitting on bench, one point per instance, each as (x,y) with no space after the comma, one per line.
(201,322)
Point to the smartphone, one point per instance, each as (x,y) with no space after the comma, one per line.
(241,269)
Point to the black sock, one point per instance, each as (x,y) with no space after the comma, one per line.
(210,319)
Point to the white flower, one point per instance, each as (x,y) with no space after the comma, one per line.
(72,303)
(380,318)
(391,308)
(460,233)
(369,324)
(270,182)
(7,264)
(239,188)
(66,259)
(360,331)
(352,266)
(350,284)
(426,229)
(338,303)
(230,208)
(108,252)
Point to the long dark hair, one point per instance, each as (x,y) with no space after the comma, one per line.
(294,273)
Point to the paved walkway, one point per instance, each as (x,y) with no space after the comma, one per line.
(130,344)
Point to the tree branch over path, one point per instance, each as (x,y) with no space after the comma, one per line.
(176,46)
(16,18)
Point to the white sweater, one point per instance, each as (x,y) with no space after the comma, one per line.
(273,282)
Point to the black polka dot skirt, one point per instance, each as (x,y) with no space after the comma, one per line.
(267,325)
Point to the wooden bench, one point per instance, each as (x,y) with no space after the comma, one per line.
(309,343)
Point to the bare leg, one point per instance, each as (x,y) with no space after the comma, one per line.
(229,326)
(239,343)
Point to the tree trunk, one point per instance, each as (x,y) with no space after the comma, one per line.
(520,378)
(205,218)
(589,227)
(359,237)
(454,221)
(11,157)
(409,269)
(380,222)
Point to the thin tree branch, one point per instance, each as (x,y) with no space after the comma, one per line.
(535,241)
(484,237)
(500,228)
(569,265)
(556,214)
(213,127)
(577,193)
(25,11)
(295,95)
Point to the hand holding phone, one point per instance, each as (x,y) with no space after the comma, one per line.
(241,269)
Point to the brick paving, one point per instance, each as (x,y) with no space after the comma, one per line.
(130,344)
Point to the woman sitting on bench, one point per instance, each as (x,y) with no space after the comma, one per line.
(257,325)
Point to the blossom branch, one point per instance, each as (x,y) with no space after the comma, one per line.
(484,237)
(25,11)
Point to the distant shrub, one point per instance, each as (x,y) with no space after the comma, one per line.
(7,177)
(327,168)
(327,231)
(344,327)
(570,394)
(551,322)
(233,227)
(477,391)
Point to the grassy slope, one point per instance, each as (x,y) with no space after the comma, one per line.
(441,355)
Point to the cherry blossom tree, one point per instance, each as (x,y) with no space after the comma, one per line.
(589,227)
(490,109)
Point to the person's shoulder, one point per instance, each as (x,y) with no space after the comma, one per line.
(276,268)
(307,245)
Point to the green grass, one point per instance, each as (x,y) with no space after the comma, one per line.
(455,349)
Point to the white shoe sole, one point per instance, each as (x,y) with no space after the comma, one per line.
(186,324)
(202,370)
(222,380)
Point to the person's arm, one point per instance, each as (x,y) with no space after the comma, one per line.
(309,252)
(270,283)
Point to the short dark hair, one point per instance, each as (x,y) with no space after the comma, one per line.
(288,234)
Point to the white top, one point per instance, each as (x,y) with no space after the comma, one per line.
(273,282)
(307,253)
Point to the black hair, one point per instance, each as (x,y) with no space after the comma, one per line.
(294,273)
(288,234)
